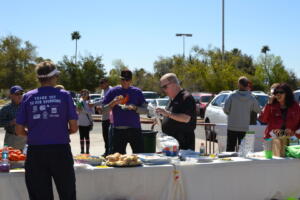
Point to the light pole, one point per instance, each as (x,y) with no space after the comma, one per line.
(183,35)
(223,37)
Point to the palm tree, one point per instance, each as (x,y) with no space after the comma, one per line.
(75,36)
(265,50)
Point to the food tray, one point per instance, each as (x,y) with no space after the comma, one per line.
(92,160)
(154,159)
(17,164)
(137,165)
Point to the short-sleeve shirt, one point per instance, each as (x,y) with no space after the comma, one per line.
(46,112)
(122,117)
(183,103)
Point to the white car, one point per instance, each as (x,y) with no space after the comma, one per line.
(297,95)
(150,95)
(157,103)
(214,111)
(95,97)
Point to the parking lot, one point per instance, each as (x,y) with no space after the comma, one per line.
(97,143)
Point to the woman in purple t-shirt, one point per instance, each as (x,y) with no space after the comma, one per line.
(47,115)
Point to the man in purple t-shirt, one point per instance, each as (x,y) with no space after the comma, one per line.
(47,116)
(126,102)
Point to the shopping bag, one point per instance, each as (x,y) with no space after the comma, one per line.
(293,151)
(279,144)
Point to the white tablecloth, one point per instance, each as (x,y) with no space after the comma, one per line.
(242,180)
(221,130)
(137,183)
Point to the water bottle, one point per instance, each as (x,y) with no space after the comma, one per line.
(4,166)
(249,141)
(5,152)
(25,149)
(202,149)
(293,141)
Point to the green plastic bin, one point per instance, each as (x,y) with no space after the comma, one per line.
(149,138)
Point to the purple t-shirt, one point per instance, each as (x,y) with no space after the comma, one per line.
(46,112)
(125,117)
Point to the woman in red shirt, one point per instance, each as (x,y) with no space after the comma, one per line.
(282,112)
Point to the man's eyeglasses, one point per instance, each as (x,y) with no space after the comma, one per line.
(165,86)
(278,92)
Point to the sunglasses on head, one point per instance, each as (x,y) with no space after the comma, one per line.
(279,92)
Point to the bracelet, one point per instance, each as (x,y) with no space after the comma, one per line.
(169,114)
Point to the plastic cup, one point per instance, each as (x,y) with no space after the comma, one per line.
(268,148)
(268,154)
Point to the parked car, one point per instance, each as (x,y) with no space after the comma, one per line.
(149,95)
(158,103)
(297,95)
(202,99)
(95,98)
(214,110)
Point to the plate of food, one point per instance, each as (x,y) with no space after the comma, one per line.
(119,160)
(87,159)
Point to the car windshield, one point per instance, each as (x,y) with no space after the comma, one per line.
(163,102)
(93,97)
(151,95)
(206,99)
(262,100)
(197,98)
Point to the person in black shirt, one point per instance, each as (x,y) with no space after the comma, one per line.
(180,114)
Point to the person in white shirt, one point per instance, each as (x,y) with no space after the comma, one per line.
(85,121)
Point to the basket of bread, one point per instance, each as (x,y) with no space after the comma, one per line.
(125,160)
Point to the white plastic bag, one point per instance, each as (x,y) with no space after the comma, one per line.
(167,144)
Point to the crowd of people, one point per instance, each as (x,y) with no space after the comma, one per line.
(44,118)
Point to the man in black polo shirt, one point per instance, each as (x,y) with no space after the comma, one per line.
(180,115)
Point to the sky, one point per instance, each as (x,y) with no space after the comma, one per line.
(138,31)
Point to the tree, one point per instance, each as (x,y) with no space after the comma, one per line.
(145,80)
(163,65)
(17,63)
(75,36)
(265,50)
(114,74)
(85,74)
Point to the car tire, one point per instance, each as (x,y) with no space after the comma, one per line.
(209,134)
